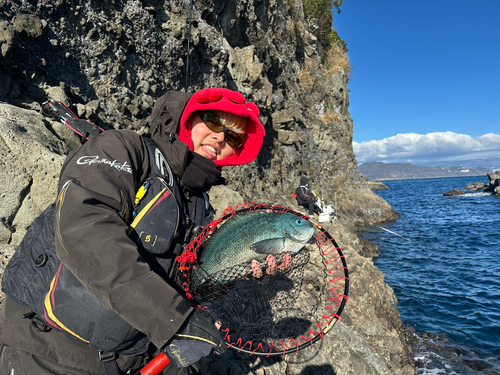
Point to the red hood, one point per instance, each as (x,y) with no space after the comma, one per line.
(229,101)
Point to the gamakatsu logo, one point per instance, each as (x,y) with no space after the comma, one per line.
(88,160)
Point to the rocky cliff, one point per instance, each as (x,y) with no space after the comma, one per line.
(110,60)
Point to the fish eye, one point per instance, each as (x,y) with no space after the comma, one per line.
(299,221)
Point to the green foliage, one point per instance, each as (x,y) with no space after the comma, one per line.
(335,39)
(337,4)
(321,10)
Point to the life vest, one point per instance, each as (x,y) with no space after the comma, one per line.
(37,279)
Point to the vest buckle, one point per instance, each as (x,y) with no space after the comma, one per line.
(106,356)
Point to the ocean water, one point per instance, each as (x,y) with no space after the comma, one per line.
(445,272)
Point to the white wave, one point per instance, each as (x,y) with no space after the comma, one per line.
(475,194)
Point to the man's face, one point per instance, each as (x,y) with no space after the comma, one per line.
(207,143)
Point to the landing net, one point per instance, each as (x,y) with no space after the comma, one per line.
(288,308)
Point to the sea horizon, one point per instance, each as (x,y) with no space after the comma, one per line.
(432,178)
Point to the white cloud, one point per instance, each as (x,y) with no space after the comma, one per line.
(413,148)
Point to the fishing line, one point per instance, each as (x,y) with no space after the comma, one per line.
(189,42)
(394,233)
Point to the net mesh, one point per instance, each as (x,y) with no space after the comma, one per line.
(287,307)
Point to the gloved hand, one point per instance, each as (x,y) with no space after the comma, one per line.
(196,339)
(201,174)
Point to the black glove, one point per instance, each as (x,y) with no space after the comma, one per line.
(201,174)
(196,339)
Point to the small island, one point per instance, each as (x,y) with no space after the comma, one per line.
(493,186)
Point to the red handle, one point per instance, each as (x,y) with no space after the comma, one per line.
(156,365)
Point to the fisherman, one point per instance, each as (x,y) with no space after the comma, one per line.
(306,197)
(197,134)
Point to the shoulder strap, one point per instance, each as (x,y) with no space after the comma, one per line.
(159,209)
(157,161)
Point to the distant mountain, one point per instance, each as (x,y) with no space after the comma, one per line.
(492,163)
(378,171)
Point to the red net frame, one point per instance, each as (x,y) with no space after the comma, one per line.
(337,281)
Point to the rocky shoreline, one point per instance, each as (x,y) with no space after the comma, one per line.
(492,187)
(109,61)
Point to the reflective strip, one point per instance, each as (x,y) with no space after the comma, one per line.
(59,203)
(50,312)
(145,210)
(197,338)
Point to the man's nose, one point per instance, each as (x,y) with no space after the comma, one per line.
(220,137)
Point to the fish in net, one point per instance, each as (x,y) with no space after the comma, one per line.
(282,310)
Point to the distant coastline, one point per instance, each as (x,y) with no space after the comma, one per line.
(379,171)
(426,178)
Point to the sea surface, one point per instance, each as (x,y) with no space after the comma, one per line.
(443,262)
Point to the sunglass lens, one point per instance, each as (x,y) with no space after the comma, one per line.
(213,122)
(233,139)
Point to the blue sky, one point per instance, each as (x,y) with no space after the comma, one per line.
(425,84)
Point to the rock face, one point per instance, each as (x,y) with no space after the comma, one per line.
(376,185)
(494,184)
(110,60)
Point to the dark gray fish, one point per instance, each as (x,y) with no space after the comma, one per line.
(251,236)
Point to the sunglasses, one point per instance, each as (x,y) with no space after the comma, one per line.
(214,123)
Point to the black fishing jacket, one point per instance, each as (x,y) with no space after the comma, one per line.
(304,195)
(97,188)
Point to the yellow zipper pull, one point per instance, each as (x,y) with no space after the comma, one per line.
(141,192)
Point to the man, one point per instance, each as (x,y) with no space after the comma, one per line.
(306,198)
(111,301)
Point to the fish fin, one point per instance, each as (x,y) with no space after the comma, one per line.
(269,246)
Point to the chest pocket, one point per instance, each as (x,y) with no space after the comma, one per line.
(157,216)
(158,208)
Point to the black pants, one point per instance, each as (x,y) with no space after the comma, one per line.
(311,207)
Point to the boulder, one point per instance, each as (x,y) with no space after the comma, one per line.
(453,193)
(377,185)
(476,186)
(222,197)
(7,34)
(31,159)
(494,178)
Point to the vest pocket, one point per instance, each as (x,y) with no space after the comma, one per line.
(156,216)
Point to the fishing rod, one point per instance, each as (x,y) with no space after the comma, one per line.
(189,42)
